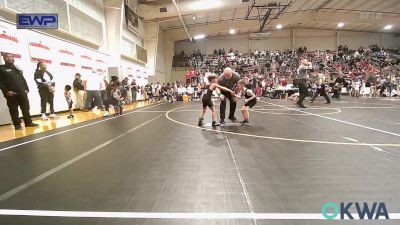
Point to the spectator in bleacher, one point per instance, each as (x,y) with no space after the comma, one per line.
(356,88)
(190,92)
(367,89)
(346,49)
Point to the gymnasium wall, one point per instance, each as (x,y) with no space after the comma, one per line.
(178,73)
(64,60)
(159,53)
(315,40)
(281,40)
(160,71)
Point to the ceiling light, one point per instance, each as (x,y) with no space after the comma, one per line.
(388,27)
(205,4)
(340,25)
(200,36)
(279,26)
(232,31)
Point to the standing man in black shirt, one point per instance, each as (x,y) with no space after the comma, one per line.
(229,80)
(15,90)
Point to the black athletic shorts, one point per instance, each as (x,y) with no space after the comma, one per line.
(207,103)
(251,103)
(70,104)
(227,95)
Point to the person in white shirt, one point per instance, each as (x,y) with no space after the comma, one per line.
(183,90)
(93,87)
(190,92)
(356,88)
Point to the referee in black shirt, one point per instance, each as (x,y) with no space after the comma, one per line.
(15,90)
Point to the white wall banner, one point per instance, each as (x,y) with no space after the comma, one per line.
(40,52)
(101,67)
(9,43)
(67,58)
(64,60)
(86,61)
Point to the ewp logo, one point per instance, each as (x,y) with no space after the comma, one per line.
(37,21)
(375,212)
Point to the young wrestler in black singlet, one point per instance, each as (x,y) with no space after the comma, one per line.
(207,99)
(250,101)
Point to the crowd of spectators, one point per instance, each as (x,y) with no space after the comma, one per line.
(173,91)
(366,72)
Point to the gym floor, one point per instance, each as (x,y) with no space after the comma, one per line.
(154,166)
(7,132)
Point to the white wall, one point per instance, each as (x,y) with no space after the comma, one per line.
(160,65)
(356,39)
(315,39)
(62,74)
(391,41)
(241,44)
(138,72)
(282,40)
(208,45)
(151,55)
(159,53)
(150,43)
(168,47)
(178,75)
(188,47)
(273,43)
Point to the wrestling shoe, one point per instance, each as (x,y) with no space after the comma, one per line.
(215,124)
(233,119)
(200,124)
